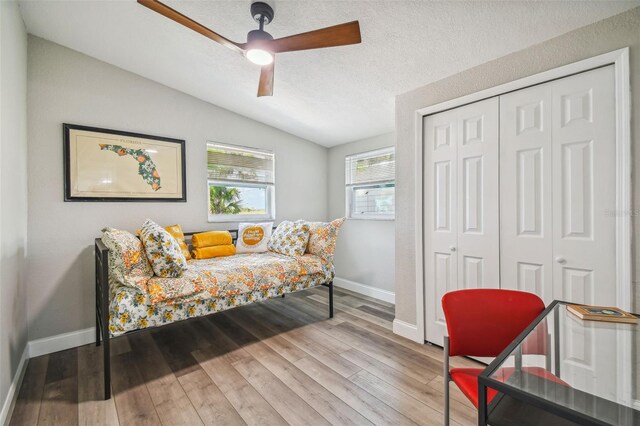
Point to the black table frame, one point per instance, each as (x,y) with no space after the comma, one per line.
(485,381)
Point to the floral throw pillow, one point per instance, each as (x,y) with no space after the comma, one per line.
(290,238)
(322,238)
(128,264)
(163,251)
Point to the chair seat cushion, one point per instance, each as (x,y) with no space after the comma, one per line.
(467,380)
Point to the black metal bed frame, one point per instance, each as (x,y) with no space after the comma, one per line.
(102,307)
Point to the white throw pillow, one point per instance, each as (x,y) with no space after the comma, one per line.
(253,237)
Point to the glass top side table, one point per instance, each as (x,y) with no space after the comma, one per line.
(565,370)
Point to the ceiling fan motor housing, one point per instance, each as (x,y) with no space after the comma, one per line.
(259,38)
(261,10)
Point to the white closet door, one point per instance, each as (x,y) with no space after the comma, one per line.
(460,205)
(477,190)
(584,222)
(526,237)
(558,186)
(584,198)
(557,189)
(440,209)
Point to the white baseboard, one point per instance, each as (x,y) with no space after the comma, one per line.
(404,329)
(367,290)
(12,395)
(61,342)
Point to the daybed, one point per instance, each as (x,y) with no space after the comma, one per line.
(208,286)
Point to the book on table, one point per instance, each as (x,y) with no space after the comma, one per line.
(602,313)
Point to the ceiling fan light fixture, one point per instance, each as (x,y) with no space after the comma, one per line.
(259,56)
(258,50)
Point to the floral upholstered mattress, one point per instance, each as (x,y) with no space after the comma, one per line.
(213,285)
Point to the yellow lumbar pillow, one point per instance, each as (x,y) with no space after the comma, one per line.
(211,238)
(214,251)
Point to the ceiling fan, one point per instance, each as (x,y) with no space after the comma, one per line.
(261,47)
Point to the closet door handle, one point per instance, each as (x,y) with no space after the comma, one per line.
(452,248)
(561,260)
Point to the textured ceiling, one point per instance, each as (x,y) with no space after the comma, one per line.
(329,96)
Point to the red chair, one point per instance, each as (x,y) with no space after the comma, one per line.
(482,323)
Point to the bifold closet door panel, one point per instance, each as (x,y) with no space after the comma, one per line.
(526,187)
(584,197)
(440,217)
(584,224)
(478,196)
(460,205)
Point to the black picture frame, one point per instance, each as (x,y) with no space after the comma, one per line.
(66,130)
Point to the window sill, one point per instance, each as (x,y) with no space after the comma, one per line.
(239,219)
(384,219)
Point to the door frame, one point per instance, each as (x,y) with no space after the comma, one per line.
(620,60)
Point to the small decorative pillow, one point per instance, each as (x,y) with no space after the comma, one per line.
(163,251)
(128,264)
(211,239)
(253,237)
(322,238)
(290,238)
(176,232)
(214,251)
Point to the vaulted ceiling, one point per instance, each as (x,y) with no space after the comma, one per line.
(329,96)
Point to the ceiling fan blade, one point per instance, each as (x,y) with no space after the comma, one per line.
(265,88)
(338,35)
(178,17)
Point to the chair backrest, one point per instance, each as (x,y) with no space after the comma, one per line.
(482,322)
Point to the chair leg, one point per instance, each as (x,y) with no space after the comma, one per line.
(445,375)
(547,354)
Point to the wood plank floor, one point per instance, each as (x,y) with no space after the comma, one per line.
(281,361)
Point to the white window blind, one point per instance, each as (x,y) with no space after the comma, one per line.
(370,184)
(228,163)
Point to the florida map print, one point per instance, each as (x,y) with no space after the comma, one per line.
(146,167)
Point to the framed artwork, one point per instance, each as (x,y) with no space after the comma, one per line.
(111,165)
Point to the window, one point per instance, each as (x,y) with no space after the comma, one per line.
(370,184)
(241,183)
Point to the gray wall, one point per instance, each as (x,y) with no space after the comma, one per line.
(67,86)
(601,37)
(365,250)
(13,193)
